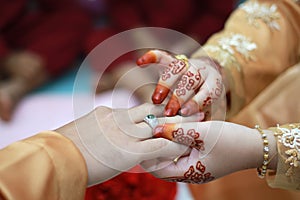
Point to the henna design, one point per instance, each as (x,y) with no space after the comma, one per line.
(166,74)
(219,89)
(207,101)
(175,67)
(180,91)
(214,95)
(193,175)
(191,138)
(188,82)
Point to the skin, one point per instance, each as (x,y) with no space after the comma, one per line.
(125,140)
(234,149)
(25,72)
(197,83)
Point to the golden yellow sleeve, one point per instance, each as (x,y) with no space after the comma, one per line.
(45,166)
(260,40)
(287,175)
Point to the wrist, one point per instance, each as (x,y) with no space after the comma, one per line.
(268,142)
(97,171)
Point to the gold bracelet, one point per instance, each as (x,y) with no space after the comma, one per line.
(262,171)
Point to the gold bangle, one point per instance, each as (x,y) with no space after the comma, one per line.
(262,171)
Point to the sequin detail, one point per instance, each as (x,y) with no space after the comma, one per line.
(267,13)
(290,138)
(227,46)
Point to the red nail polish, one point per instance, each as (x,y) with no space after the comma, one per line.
(160,93)
(172,107)
(169,112)
(147,58)
(156,98)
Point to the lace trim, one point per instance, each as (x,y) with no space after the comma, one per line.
(267,13)
(227,46)
(290,138)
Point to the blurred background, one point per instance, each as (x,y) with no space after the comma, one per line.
(43,43)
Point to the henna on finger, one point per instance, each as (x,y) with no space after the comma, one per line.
(147,58)
(189,137)
(161,91)
(160,94)
(195,174)
(188,85)
(203,99)
(155,56)
(172,107)
(175,66)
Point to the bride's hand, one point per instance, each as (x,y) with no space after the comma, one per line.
(218,149)
(198,82)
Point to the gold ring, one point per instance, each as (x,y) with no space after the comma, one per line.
(183,58)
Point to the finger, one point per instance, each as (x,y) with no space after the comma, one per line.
(209,92)
(155,165)
(137,114)
(126,120)
(179,119)
(171,73)
(163,120)
(184,133)
(142,130)
(160,147)
(173,69)
(171,171)
(187,86)
(155,56)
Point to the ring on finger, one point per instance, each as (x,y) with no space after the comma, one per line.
(151,120)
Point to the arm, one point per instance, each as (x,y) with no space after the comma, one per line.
(217,150)
(89,150)
(260,40)
(45,166)
(221,148)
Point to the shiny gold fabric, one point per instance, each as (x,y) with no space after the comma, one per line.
(278,103)
(45,166)
(269,90)
(276,50)
(287,175)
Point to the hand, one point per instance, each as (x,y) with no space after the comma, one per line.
(25,65)
(219,148)
(112,141)
(199,82)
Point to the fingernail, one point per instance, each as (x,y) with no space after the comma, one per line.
(158,131)
(169,112)
(147,58)
(140,61)
(156,98)
(184,111)
(200,116)
(172,107)
(160,93)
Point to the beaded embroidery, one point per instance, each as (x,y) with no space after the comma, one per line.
(290,138)
(228,45)
(267,13)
